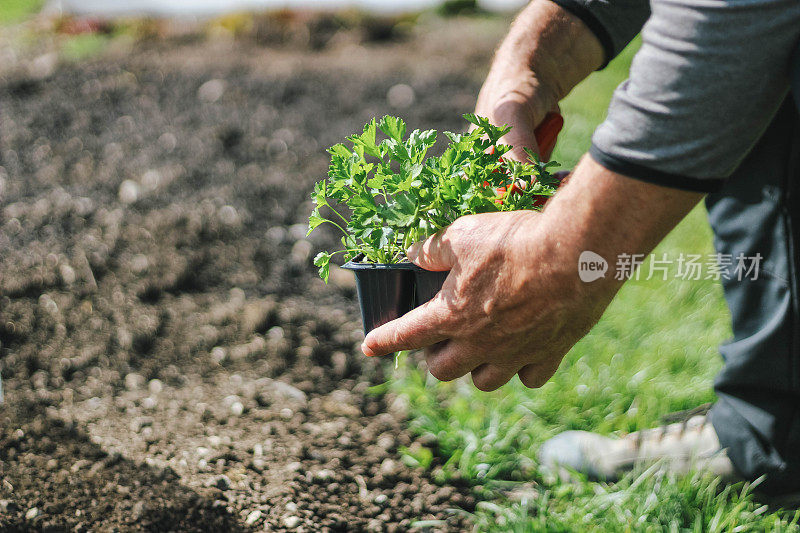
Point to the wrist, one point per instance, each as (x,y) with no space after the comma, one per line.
(554,253)
(607,214)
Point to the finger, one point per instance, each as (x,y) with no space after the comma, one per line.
(453,359)
(434,253)
(535,375)
(521,136)
(519,139)
(488,377)
(418,328)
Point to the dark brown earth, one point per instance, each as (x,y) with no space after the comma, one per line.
(170,359)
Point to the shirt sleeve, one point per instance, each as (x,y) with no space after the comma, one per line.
(706,83)
(614,22)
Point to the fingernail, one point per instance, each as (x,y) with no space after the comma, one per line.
(367,351)
(413,251)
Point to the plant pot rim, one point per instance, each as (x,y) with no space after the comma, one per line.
(357,265)
(353,265)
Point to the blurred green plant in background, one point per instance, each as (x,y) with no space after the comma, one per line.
(16,10)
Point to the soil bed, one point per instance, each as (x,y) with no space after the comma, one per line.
(169,357)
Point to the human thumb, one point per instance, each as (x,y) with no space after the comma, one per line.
(433,253)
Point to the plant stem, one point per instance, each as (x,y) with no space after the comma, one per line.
(337,225)
(338,213)
(398,356)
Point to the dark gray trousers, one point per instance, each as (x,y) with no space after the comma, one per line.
(757,416)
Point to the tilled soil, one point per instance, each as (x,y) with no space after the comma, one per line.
(170,359)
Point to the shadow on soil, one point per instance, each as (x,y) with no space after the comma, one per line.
(61,466)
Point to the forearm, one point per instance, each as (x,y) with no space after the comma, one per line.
(553,47)
(609,214)
(557,46)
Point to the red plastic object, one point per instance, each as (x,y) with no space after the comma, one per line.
(547,134)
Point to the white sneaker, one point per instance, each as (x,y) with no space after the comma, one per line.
(680,447)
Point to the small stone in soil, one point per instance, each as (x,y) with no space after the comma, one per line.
(128,192)
(228,215)
(389,467)
(218,354)
(283,388)
(323,475)
(222,482)
(138,510)
(291,522)
(8,506)
(211,91)
(253,517)
(155,386)
(133,381)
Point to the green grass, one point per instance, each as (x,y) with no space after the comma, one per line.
(16,10)
(654,352)
(79,47)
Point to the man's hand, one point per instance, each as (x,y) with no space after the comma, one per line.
(513,302)
(502,308)
(546,53)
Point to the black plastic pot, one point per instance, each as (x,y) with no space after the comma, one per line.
(386,292)
(427,284)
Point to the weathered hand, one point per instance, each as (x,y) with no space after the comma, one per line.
(505,308)
(513,301)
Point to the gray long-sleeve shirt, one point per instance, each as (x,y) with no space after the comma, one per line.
(702,89)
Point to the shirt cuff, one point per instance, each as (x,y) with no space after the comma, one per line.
(657,177)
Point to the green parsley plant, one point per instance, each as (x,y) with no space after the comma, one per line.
(396,195)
